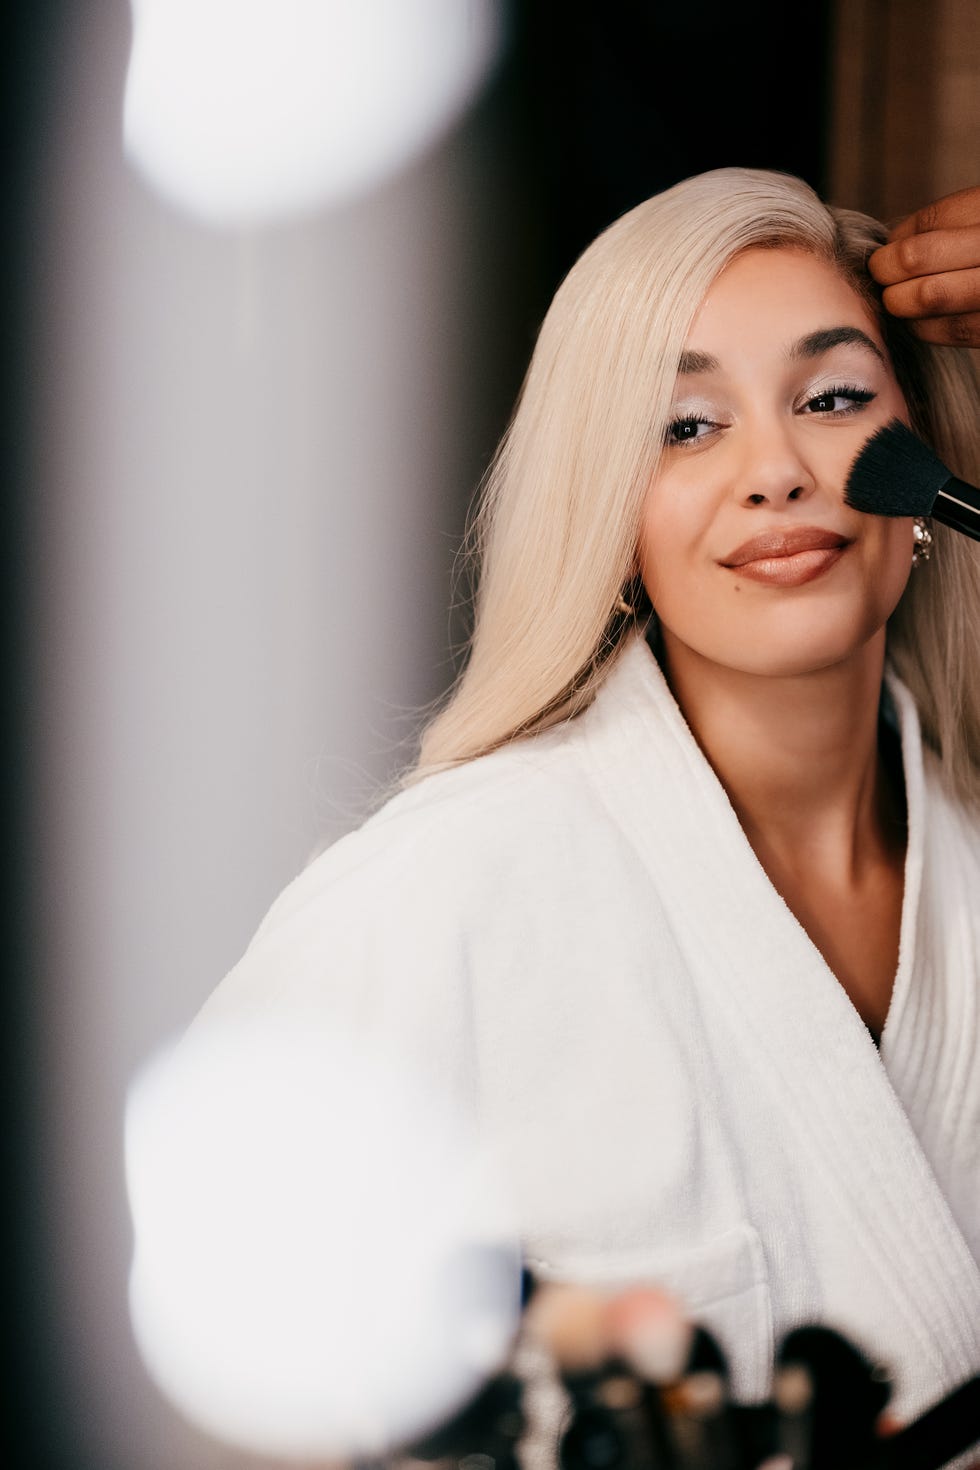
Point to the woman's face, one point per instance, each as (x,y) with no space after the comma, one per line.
(749,554)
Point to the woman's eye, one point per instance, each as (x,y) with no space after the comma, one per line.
(839,400)
(687,431)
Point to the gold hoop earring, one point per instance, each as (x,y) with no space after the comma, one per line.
(922,541)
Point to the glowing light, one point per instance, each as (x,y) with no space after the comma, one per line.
(322,1264)
(245,110)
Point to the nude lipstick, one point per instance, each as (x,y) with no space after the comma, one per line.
(787,558)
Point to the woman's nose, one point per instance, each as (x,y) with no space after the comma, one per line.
(772,471)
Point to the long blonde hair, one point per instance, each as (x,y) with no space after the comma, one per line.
(554,538)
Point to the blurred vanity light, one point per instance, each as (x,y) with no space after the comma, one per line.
(241,111)
(323,1267)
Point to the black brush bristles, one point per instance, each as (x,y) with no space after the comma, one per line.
(895,474)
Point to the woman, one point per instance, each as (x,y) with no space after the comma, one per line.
(680,900)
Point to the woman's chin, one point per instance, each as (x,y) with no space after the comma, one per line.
(784,652)
(796,658)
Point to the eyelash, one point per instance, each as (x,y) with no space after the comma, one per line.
(859,397)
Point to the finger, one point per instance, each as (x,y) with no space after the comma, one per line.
(962,207)
(951,293)
(926,255)
(950,331)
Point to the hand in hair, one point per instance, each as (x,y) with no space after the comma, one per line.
(931,269)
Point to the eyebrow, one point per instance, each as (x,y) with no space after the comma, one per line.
(814,344)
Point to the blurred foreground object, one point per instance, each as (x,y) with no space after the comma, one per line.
(323,1265)
(241,111)
(645,1390)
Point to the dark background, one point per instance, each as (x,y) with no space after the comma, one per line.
(29,1400)
(617,102)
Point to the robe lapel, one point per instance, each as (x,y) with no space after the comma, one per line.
(893,1264)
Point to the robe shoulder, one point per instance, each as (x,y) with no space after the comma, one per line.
(489,871)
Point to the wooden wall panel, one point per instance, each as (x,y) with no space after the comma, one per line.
(904,107)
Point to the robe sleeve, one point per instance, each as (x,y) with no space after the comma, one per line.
(368,942)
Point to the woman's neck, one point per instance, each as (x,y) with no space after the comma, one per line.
(799,758)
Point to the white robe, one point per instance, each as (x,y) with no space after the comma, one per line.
(574,937)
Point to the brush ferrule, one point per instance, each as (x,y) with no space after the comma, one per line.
(958,505)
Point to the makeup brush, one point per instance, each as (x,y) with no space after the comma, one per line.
(702,1423)
(848,1393)
(895,474)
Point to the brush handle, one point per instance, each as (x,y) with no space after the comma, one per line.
(943,1431)
(958,505)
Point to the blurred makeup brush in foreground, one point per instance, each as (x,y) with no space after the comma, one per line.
(895,474)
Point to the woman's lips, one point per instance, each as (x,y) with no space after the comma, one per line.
(792,570)
(787,558)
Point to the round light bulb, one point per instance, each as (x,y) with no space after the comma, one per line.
(324,1264)
(242,111)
